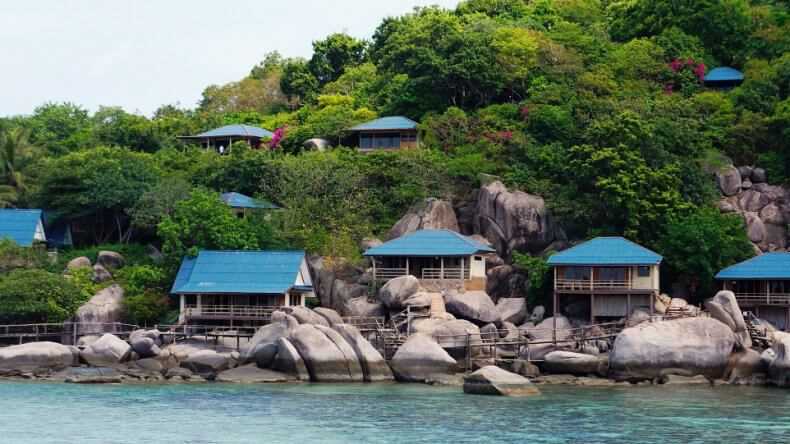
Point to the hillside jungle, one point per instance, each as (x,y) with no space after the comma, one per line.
(597,106)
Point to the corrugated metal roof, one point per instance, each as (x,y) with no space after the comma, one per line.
(238,200)
(765,266)
(239,131)
(387,123)
(19,225)
(724,74)
(427,243)
(606,251)
(239,272)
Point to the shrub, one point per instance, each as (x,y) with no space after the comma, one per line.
(145,286)
(38,296)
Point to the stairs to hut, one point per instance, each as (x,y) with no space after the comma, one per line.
(759,338)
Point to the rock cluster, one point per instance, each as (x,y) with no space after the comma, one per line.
(765,208)
(514,221)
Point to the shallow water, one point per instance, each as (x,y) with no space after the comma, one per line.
(215,413)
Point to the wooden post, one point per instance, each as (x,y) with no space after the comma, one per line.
(375,278)
(408,270)
(554,319)
(441,269)
(652,304)
(592,308)
(627,305)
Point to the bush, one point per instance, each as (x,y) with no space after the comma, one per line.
(145,288)
(38,296)
(12,256)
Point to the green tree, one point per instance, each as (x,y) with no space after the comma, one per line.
(298,83)
(720,24)
(697,245)
(60,127)
(15,153)
(204,222)
(97,186)
(333,55)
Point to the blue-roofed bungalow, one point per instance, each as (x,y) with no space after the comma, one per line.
(240,286)
(243,204)
(723,77)
(432,255)
(222,138)
(387,133)
(24,227)
(609,276)
(762,285)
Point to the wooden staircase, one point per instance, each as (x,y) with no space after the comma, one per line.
(759,339)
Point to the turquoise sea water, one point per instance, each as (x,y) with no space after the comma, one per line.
(214,413)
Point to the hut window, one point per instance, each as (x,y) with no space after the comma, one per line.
(643,272)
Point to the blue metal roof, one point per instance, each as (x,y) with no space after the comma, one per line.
(238,200)
(19,225)
(765,266)
(387,124)
(240,131)
(606,251)
(430,243)
(724,74)
(239,272)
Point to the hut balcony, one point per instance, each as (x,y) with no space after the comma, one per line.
(223,312)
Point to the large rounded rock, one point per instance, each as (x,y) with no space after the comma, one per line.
(110,260)
(505,281)
(34,357)
(475,306)
(206,363)
(745,366)
(729,180)
(101,311)
(513,310)
(78,262)
(724,307)
(324,360)
(513,220)
(144,346)
(456,335)
(759,175)
(571,363)
(395,292)
(421,359)
(374,367)
(430,214)
(107,350)
(352,361)
(289,361)
(250,374)
(363,307)
(686,347)
(779,365)
(306,316)
(263,340)
(331,316)
(492,380)
(100,274)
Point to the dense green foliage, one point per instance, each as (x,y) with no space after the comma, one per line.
(595,105)
(34,295)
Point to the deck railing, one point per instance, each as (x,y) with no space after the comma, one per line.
(446,273)
(763,298)
(385,274)
(601,284)
(230,311)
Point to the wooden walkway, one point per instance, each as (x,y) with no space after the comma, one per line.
(64,332)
